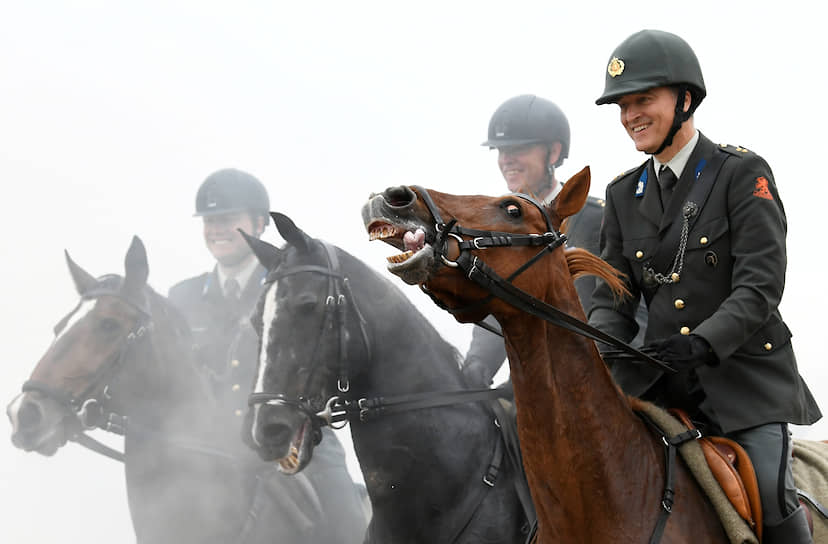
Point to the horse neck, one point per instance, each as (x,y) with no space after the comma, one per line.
(170,387)
(573,417)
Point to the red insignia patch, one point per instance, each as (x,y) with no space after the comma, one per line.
(761,190)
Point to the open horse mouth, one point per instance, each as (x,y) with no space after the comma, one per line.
(285,437)
(390,217)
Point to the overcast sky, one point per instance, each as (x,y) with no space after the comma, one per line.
(112,113)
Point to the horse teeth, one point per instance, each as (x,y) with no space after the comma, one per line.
(381,233)
(401,258)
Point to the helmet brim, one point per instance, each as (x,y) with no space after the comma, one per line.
(494,144)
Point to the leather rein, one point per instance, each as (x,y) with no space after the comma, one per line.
(503,288)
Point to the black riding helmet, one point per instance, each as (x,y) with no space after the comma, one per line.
(529,119)
(654,58)
(231,190)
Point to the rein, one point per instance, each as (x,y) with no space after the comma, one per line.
(484,276)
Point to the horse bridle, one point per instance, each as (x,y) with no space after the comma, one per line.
(335,319)
(503,288)
(86,410)
(340,409)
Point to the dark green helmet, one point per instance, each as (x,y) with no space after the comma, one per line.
(529,119)
(652,58)
(231,190)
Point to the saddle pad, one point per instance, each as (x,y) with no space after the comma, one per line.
(737,529)
(810,470)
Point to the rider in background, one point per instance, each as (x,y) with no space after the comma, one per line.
(699,230)
(217,305)
(531,135)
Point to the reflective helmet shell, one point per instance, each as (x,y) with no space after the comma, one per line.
(230,190)
(529,119)
(649,59)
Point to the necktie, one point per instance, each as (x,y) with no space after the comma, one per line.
(667,181)
(232,290)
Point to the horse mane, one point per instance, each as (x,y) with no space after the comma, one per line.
(583,263)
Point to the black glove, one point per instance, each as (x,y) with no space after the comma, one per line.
(476,374)
(686,352)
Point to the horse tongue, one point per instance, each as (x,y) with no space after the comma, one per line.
(414,241)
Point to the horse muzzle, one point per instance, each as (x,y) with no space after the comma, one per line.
(38,423)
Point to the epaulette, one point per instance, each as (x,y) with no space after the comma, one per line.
(595,201)
(735,150)
(628,172)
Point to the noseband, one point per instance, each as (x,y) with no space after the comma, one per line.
(503,288)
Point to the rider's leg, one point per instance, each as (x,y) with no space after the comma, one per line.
(769,448)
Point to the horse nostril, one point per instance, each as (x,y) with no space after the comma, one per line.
(29,416)
(399,197)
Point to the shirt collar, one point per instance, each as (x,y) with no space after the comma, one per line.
(242,275)
(679,160)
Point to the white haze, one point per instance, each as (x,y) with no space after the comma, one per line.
(111,114)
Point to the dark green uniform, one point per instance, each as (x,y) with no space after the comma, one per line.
(728,293)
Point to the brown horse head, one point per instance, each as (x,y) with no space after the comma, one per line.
(84,367)
(403,218)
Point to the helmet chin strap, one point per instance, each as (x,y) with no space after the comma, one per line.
(679,117)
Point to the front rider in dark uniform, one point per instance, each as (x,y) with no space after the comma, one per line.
(699,229)
(217,305)
(531,135)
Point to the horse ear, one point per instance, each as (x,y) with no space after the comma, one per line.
(290,232)
(84,281)
(136,266)
(573,195)
(269,255)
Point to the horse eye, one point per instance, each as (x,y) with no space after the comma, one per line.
(109,325)
(512,210)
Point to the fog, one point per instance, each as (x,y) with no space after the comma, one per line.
(112,115)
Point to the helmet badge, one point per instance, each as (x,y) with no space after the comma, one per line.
(616,67)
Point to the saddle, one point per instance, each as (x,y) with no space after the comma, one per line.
(732,468)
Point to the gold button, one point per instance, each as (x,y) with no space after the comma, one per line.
(238,413)
(679,304)
(236,387)
(639,254)
(234,363)
(675,277)
(685,330)
(703,240)
(768,346)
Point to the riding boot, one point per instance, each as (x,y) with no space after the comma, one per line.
(793,530)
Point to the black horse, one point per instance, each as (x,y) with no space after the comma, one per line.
(333,332)
(121,360)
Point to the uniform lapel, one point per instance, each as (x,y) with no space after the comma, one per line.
(704,149)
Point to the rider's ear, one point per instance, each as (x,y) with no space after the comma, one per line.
(573,195)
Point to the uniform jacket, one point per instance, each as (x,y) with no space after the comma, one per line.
(729,288)
(224,342)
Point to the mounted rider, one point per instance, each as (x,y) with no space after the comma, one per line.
(699,230)
(532,138)
(217,305)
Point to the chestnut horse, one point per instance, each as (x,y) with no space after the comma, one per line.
(596,471)
(340,343)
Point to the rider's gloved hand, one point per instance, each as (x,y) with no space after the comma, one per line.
(686,352)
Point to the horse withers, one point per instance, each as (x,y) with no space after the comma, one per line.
(339,343)
(121,361)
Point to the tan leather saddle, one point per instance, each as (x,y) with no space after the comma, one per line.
(732,468)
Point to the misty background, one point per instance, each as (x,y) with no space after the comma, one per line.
(112,113)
